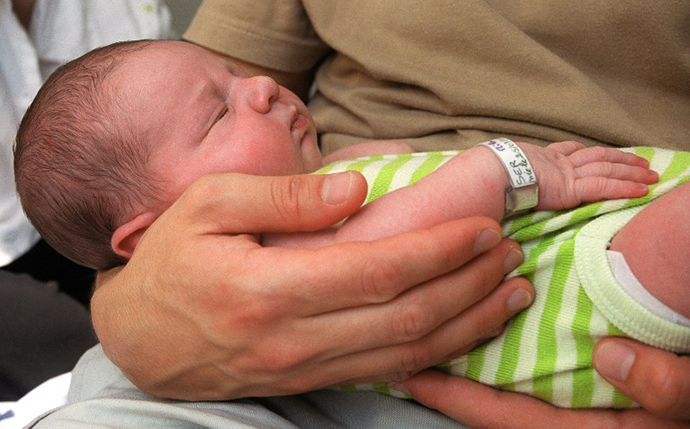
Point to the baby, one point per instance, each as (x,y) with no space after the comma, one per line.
(115,137)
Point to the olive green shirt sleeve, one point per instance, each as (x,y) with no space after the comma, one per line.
(276,34)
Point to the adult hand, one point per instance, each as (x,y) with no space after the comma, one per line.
(657,380)
(199,313)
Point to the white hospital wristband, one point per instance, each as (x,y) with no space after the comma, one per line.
(523,192)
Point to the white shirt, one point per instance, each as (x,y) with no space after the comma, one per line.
(61,30)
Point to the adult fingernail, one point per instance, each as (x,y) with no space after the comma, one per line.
(513,260)
(486,240)
(336,188)
(614,360)
(519,300)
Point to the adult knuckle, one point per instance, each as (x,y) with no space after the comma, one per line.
(293,355)
(286,196)
(282,361)
(277,359)
(664,392)
(301,381)
(413,359)
(379,280)
(248,316)
(399,376)
(484,276)
(414,321)
(247,364)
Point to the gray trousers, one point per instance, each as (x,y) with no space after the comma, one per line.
(43,332)
(100,396)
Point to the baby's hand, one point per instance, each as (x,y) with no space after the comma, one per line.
(570,174)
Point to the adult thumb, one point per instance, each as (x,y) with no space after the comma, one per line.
(656,379)
(240,203)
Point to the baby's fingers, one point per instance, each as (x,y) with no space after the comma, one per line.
(609,170)
(590,189)
(604,154)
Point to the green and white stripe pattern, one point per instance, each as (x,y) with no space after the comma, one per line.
(546,350)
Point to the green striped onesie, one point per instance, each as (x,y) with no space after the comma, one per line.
(546,350)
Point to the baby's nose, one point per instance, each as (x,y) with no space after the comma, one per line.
(263,92)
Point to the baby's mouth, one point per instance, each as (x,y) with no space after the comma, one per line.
(300,122)
(299,127)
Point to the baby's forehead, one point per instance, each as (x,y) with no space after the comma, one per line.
(158,69)
(170,52)
(158,86)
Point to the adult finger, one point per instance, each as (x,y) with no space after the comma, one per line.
(452,339)
(481,406)
(656,379)
(335,352)
(392,338)
(241,203)
(221,203)
(424,308)
(385,273)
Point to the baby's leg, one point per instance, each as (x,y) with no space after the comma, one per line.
(655,245)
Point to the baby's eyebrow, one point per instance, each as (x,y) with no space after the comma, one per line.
(235,68)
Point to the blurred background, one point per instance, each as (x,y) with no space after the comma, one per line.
(182,13)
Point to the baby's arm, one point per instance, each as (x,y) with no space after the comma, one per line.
(474,183)
(655,245)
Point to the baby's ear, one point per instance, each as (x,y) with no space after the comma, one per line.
(127,236)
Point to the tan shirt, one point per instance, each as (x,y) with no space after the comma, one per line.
(449,74)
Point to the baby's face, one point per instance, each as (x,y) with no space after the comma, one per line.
(203,114)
